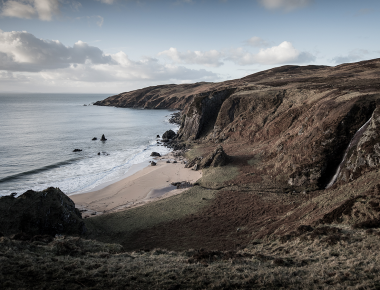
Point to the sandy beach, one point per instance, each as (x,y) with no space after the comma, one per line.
(147,185)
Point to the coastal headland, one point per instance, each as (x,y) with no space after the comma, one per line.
(284,166)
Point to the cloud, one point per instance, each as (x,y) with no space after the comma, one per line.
(285,5)
(28,9)
(284,53)
(107,1)
(210,58)
(26,61)
(22,51)
(364,11)
(100,20)
(257,42)
(353,55)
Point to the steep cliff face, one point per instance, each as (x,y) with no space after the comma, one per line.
(297,120)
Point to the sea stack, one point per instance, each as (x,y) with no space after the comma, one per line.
(103,138)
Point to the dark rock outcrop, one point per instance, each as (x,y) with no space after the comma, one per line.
(153,163)
(170,134)
(215,159)
(93,139)
(103,138)
(364,154)
(77,150)
(155,154)
(47,212)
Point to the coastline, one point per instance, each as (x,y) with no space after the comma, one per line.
(146,184)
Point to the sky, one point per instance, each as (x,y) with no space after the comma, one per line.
(114,46)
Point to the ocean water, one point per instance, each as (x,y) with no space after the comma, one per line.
(38,133)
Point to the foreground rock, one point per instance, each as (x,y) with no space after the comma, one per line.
(48,212)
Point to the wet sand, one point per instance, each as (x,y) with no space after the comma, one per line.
(147,185)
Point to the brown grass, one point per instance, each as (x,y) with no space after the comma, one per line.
(352,263)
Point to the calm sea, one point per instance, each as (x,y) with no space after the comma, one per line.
(38,133)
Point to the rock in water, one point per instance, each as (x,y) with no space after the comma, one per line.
(48,212)
(77,150)
(156,154)
(103,138)
(170,134)
(93,139)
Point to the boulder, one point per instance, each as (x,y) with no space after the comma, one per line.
(47,212)
(170,134)
(103,138)
(155,154)
(153,163)
(77,150)
(215,159)
(158,136)
(93,139)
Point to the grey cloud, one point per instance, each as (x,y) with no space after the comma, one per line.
(42,9)
(257,42)
(22,51)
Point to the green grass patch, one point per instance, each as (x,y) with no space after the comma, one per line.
(214,177)
(116,227)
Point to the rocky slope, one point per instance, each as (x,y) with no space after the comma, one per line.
(297,120)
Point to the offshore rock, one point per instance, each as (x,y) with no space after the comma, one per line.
(47,212)
(103,138)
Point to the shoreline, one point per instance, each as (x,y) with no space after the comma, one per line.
(146,184)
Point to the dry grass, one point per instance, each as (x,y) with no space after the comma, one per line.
(300,263)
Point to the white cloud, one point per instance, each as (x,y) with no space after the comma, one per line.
(257,42)
(210,58)
(107,1)
(26,61)
(284,53)
(286,5)
(42,9)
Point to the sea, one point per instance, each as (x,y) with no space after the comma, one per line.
(39,132)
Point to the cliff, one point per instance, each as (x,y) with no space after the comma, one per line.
(298,120)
